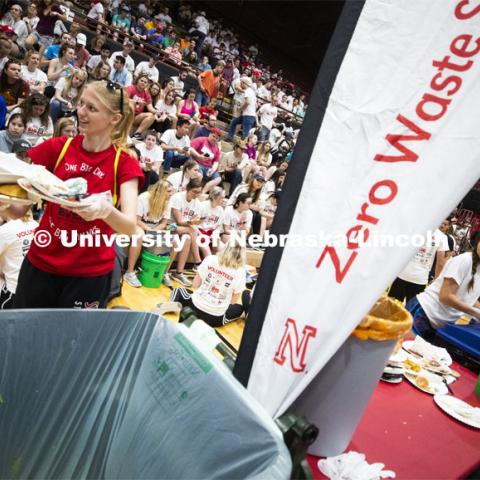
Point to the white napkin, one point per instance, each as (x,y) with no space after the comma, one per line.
(430,352)
(352,466)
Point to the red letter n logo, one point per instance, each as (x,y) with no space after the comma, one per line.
(296,349)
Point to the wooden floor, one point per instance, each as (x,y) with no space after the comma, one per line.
(145,299)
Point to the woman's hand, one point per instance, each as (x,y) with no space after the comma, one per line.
(95,207)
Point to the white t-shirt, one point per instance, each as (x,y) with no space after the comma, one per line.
(15,239)
(145,68)
(33,78)
(34,130)
(267,114)
(155,156)
(143,211)
(234,219)
(93,61)
(96,11)
(178,85)
(275,136)
(419,267)
(212,218)
(218,285)
(176,180)
(162,107)
(61,86)
(252,103)
(188,210)
(170,138)
(459,269)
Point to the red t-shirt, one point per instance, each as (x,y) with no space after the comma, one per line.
(141,99)
(97,168)
(206,111)
(203,146)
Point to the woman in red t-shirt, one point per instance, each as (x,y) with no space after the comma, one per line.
(145,113)
(63,273)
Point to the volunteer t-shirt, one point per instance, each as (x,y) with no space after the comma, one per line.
(98,169)
(418,269)
(15,239)
(188,209)
(460,270)
(236,220)
(219,284)
(212,217)
(169,137)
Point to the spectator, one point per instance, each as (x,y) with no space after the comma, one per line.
(81,53)
(188,108)
(186,215)
(264,157)
(179,180)
(37,120)
(176,145)
(174,54)
(17,24)
(119,73)
(97,44)
(163,16)
(144,111)
(53,51)
(155,92)
(211,213)
(231,165)
(125,53)
(205,130)
(167,86)
(149,69)
(31,20)
(67,94)
(267,114)
(207,154)
(102,71)
(139,31)
(121,22)
(207,110)
(15,130)
(209,83)
(36,79)
(204,65)
(96,15)
(61,66)
(48,14)
(247,110)
(179,82)
(12,88)
(94,60)
(166,113)
(170,38)
(5,50)
(152,218)
(199,31)
(238,217)
(65,127)
(150,159)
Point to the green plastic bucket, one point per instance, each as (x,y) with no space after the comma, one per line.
(153,269)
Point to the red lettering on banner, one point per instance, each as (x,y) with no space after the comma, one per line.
(440,104)
(296,348)
(376,200)
(439,86)
(394,140)
(339,272)
(461,50)
(460,12)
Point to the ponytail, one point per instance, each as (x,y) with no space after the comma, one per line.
(475,260)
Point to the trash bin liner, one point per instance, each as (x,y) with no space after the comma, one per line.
(124,394)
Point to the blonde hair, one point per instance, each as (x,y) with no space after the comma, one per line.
(69,83)
(157,199)
(61,124)
(233,256)
(111,99)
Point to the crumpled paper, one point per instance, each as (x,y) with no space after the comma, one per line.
(430,352)
(353,466)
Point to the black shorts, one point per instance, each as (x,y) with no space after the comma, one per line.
(39,289)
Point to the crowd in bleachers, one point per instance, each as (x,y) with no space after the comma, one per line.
(185,151)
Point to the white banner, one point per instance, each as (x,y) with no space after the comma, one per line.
(398,148)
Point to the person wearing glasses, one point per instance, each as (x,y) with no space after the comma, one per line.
(57,276)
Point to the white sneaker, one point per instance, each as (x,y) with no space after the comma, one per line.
(181,278)
(168,307)
(167,281)
(132,280)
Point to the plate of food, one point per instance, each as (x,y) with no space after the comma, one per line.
(66,199)
(13,194)
(427,382)
(412,366)
(458,409)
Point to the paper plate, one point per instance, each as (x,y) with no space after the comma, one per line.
(15,200)
(407,346)
(458,409)
(28,187)
(435,387)
(8,178)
